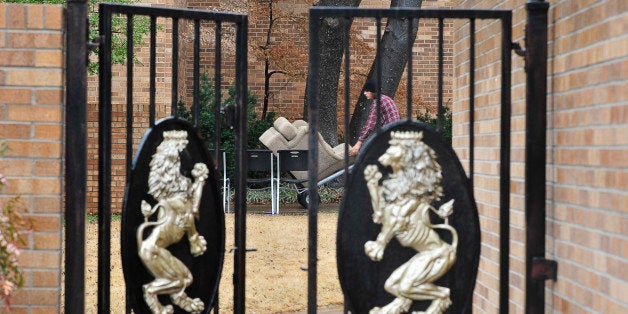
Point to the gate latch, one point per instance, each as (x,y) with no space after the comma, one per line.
(94,43)
(229,112)
(544,269)
(235,248)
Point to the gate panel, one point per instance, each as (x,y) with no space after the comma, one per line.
(317,14)
(120,124)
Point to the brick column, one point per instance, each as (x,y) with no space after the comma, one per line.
(31,119)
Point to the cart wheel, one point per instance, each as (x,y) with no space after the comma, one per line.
(304,199)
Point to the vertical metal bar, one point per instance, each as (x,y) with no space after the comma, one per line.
(471,101)
(217,125)
(76,154)
(347,43)
(104,160)
(153,57)
(440,118)
(175,66)
(240,147)
(536,130)
(196,71)
(504,165)
(313,164)
(409,68)
(129,96)
(217,85)
(216,304)
(379,73)
(347,82)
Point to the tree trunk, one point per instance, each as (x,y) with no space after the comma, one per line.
(331,51)
(394,54)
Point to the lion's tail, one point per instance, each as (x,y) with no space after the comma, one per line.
(445,226)
(144,225)
(454,233)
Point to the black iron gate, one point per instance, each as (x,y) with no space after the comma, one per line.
(537,268)
(76,135)
(408,14)
(225,27)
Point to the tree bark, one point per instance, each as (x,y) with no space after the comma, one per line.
(332,45)
(394,45)
(394,54)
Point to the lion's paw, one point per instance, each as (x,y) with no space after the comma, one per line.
(372,174)
(374,250)
(168,309)
(200,171)
(195,306)
(198,245)
(377,217)
(397,306)
(190,305)
(375,310)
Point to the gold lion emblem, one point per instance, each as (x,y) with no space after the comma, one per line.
(178,199)
(401,204)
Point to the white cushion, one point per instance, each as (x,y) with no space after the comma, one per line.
(285,128)
(299,123)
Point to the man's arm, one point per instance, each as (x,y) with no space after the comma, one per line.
(368,127)
(353,151)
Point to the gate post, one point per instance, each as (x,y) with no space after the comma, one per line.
(537,268)
(76,153)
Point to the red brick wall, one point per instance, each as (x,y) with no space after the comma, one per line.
(287,92)
(487,152)
(31,122)
(587,154)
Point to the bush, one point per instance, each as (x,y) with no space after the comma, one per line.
(287,194)
(207,125)
(12,223)
(433,121)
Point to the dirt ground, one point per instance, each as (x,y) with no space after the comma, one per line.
(275,282)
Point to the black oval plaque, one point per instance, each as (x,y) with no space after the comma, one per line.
(363,279)
(209,223)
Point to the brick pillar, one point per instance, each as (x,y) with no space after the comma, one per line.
(31,121)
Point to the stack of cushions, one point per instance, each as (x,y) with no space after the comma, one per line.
(284,135)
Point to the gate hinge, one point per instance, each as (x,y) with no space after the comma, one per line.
(518,50)
(94,43)
(544,269)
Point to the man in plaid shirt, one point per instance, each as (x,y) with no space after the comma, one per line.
(389,112)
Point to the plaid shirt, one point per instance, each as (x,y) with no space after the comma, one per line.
(390,114)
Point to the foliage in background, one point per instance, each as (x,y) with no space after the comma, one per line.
(433,121)
(12,224)
(141,27)
(287,194)
(206,121)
